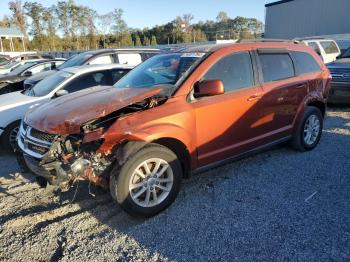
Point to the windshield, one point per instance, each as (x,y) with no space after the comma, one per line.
(76,60)
(164,69)
(46,86)
(19,70)
(346,54)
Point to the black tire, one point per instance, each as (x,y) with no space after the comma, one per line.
(7,134)
(121,176)
(298,140)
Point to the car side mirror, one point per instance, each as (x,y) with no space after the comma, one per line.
(28,73)
(61,92)
(208,88)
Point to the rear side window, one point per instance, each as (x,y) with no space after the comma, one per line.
(235,71)
(305,63)
(329,47)
(276,67)
(129,59)
(102,60)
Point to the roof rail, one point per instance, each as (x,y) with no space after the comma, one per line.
(268,40)
(310,38)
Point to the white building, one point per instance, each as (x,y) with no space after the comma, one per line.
(289,19)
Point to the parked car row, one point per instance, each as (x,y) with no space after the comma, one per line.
(177,113)
(14,80)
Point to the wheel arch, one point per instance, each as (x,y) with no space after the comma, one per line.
(180,150)
(128,148)
(318,104)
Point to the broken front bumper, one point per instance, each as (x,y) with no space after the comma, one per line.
(46,156)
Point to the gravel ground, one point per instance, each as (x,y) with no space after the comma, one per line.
(278,205)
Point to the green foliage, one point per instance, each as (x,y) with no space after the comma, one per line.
(154,40)
(138,40)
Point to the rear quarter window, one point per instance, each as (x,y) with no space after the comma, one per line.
(329,47)
(305,63)
(276,66)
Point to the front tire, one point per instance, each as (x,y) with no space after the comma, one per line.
(309,131)
(148,182)
(9,136)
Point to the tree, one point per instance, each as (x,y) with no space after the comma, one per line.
(5,22)
(138,40)
(105,25)
(153,40)
(119,24)
(222,17)
(18,16)
(126,40)
(35,11)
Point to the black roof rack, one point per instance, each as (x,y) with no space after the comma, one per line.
(268,40)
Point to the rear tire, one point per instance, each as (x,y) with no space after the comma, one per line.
(148,182)
(8,138)
(308,134)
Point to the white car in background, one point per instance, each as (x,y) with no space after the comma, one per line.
(327,49)
(13,106)
(15,64)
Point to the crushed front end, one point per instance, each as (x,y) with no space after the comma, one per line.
(64,159)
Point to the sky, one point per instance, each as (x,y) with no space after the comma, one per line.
(147,13)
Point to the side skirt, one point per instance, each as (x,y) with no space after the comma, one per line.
(242,155)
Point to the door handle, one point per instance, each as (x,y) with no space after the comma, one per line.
(254,98)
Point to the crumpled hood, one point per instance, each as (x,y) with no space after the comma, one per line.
(66,114)
(340,63)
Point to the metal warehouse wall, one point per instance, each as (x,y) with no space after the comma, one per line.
(300,18)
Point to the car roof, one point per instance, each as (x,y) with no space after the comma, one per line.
(210,48)
(92,68)
(122,50)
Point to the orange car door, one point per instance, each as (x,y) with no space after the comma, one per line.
(283,92)
(224,122)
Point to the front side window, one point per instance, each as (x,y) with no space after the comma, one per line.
(166,69)
(40,68)
(276,67)
(329,47)
(87,80)
(305,63)
(235,71)
(101,60)
(315,47)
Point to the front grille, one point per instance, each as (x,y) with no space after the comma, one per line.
(37,149)
(340,74)
(41,135)
(34,142)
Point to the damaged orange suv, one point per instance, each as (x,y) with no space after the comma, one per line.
(177,113)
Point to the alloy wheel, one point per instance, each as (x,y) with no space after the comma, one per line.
(151,182)
(13,137)
(311,130)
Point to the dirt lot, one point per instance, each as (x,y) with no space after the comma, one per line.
(278,205)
